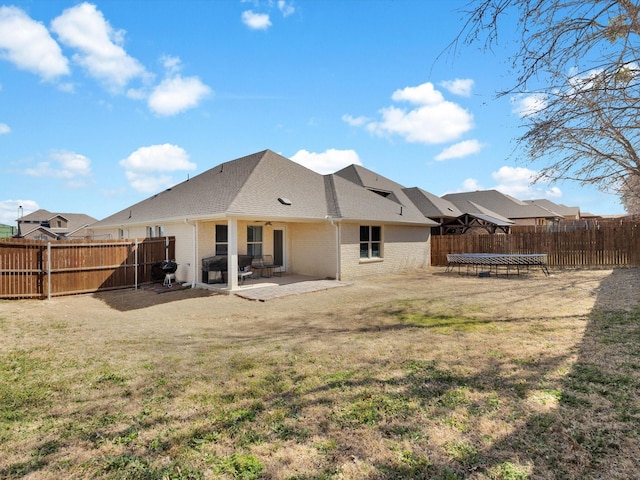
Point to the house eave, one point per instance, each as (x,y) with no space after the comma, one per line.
(260,218)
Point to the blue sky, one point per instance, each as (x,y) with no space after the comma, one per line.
(105,103)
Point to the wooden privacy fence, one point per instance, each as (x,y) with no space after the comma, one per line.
(610,246)
(37,269)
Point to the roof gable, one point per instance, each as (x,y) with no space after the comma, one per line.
(357,203)
(383,188)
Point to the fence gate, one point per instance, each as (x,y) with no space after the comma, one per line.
(36,269)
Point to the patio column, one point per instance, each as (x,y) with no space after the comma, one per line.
(232,257)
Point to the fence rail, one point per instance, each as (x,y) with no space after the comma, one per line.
(606,246)
(36,269)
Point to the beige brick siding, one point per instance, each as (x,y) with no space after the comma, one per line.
(403,248)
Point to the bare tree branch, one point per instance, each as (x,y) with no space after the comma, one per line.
(581,59)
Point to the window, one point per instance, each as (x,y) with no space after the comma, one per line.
(254,241)
(159,231)
(149,232)
(222,240)
(120,233)
(370,241)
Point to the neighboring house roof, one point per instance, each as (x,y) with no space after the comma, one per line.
(504,205)
(264,185)
(483,213)
(39,232)
(43,219)
(557,208)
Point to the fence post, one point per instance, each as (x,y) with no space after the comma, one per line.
(48,270)
(136,264)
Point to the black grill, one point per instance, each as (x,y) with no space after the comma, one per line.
(160,269)
(218,263)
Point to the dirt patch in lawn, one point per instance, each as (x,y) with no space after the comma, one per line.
(420,375)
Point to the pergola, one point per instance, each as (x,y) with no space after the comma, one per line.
(463,223)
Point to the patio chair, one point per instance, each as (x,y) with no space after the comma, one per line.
(258,266)
(244,273)
(268,263)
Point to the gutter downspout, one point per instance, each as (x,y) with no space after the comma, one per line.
(337,227)
(194,277)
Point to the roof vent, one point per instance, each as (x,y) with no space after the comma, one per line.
(284,201)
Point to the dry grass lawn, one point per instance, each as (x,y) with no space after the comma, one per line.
(426,375)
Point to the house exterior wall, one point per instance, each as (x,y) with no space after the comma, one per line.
(312,249)
(403,248)
(184,251)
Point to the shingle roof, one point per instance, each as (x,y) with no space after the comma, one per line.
(500,203)
(251,186)
(557,208)
(75,222)
(374,182)
(431,205)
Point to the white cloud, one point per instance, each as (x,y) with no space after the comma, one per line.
(424,94)
(177,94)
(145,168)
(286,8)
(84,28)
(514,175)
(471,185)
(459,86)
(528,105)
(355,121)
(329,161)
(256,21)
(459,150)
(28,45)
(518,182)
(434,120)
(146,183)
(553,192)
(9,210)
(171,64)
(4,129)
(64,165)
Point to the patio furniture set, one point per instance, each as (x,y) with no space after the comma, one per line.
(248,267)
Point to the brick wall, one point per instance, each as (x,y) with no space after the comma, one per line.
(403,248)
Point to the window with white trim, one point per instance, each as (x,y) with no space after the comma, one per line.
(222,240)
(254,240)
(370,241)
